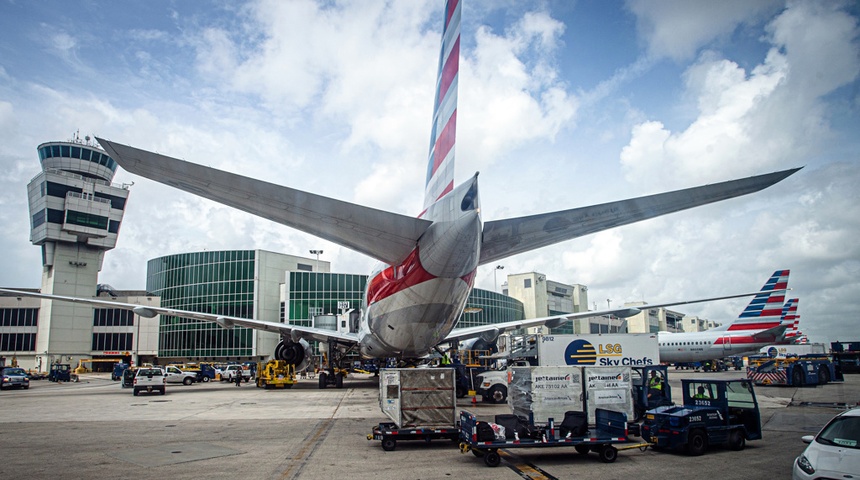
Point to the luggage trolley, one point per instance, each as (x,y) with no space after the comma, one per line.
(610,430)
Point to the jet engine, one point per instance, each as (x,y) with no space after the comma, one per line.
(297,353)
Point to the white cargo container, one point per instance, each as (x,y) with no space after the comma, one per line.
(419,397)
(546,392)
(615,349)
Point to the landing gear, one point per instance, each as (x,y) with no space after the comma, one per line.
(334,374)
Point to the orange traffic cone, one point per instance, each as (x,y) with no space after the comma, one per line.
(474,400)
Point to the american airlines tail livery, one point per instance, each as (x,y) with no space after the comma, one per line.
(427,262)
(763,322)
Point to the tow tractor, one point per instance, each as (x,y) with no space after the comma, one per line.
(275,374)
(797,371)
(714,412)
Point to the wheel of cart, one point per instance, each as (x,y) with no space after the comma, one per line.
(582,449)
(607,453)
(389,444)
(492,458)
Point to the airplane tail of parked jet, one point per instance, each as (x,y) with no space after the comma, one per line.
(792,319)
(765,310)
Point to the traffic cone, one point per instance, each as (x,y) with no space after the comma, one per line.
(474,400)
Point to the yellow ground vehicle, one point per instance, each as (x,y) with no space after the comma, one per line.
(275,374)
(82,369)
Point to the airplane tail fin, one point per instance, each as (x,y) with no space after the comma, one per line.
(440,164)
(765,310)
(792,319)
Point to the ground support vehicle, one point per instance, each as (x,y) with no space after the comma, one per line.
(128,377)
(118,370)
(229,373)
(172,374)
(275,374)
(421,404)
(713,412)
(846,355)
(389,434)
(62,372)
(150,379)
(606,438)
(647,398)
(807,370)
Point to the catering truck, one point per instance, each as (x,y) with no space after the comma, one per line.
(597,350)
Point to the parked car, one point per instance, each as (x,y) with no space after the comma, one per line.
(14,377)
(174,375)
(834,452)
(149,379)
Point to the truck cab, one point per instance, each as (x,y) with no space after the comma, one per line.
(647,396)
(713,412)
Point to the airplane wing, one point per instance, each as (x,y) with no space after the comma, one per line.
(503,238)
(308,333)
(385,236)
(491,331)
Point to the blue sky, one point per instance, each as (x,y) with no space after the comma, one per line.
(562,104)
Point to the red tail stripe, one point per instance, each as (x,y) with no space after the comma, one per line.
(449,71)
(445,142)
(397,278)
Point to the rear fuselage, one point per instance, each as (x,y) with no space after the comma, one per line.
(411,307)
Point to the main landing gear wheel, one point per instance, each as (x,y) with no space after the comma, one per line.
(492,458)
(322,380)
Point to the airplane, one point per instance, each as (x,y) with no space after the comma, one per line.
(763,322)
(428,263)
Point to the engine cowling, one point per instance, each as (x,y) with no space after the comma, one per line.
(297,353)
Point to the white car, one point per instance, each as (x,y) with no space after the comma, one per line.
(229,373)
(834,452)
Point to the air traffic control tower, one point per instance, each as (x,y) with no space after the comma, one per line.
(75,216)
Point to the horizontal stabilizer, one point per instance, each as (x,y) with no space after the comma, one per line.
(503,238)
(385,236)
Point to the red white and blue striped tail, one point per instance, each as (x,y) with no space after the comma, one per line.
(765,309)
(440,165)
(790,317)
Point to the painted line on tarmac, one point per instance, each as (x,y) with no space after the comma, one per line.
(524,469)
(311,443)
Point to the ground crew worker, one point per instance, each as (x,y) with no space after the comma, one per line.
(446,360)
(700,393)
(655,385)
(239,376)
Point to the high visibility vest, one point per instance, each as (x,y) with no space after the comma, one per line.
(655,383)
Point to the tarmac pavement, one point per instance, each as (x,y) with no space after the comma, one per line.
(96,429)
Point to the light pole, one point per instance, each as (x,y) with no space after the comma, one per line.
(495,282)
(317,253)
(609,316)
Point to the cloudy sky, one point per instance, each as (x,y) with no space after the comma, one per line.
(562,104)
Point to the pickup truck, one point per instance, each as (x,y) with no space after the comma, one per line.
(173,374)
(229,373)
(149,379)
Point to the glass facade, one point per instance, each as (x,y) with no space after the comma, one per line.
(223,282)
(13,338)
(218,282)
(315,293)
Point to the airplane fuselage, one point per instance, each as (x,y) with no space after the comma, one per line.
(411,307)
(703,346)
